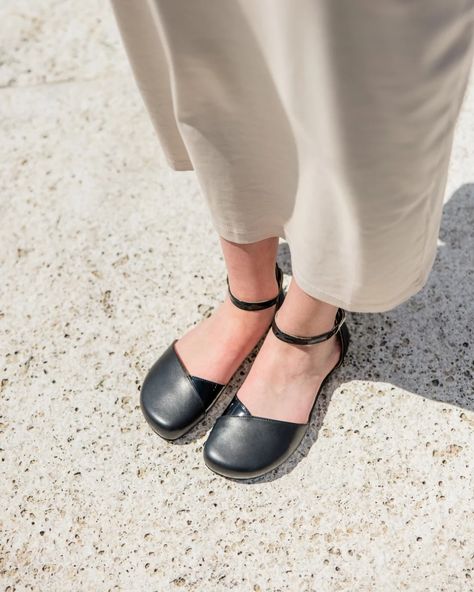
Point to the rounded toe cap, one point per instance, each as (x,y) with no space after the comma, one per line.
(165,425)
(225,464)
(249,447)
(168,400)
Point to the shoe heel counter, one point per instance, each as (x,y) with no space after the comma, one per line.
(345,337)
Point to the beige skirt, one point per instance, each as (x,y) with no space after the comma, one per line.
(328,123)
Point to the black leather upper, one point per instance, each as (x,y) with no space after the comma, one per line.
(243,446)
(172,400)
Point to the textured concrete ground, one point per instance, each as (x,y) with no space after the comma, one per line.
(106,255)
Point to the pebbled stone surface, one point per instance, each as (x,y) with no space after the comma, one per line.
(106,254)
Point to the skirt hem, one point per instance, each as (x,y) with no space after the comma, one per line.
(246,236)
(363,306)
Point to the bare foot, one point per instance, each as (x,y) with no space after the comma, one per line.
(216,347)
(284,378)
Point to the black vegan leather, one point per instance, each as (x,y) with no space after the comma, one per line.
(241,445)
(171,399)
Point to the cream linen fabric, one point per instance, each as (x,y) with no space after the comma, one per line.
(326,122)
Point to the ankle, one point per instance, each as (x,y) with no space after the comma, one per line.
(245,318)
(260,288)
(292,320)
(254,289)
(304,315)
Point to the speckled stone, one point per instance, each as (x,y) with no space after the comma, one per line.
(106,254)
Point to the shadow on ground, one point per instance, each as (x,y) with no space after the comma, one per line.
(424,346)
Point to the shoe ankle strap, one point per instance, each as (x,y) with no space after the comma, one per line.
(298,340)
(264,303)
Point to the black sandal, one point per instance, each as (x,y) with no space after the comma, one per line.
(241,445)
(171,399)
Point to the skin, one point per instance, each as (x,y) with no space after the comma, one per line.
(284,378)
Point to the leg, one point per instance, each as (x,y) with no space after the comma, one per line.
(327,123)
(265,423)
(285,377)
(216,347)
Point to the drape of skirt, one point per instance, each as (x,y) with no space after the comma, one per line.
(328,123)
